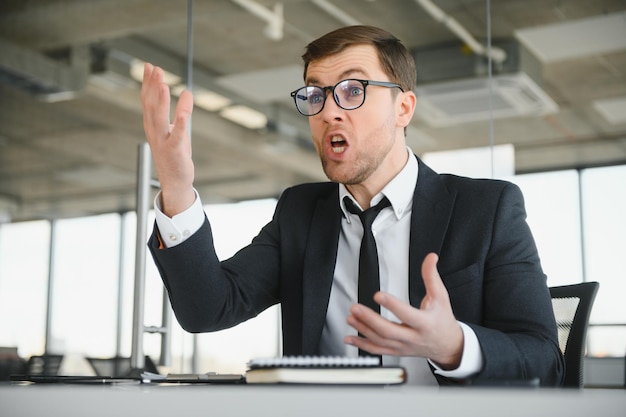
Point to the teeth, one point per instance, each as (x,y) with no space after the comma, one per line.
(337,140)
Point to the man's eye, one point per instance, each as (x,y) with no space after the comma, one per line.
(356,91)
(316,98)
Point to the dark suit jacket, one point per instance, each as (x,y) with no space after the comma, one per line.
(487,259)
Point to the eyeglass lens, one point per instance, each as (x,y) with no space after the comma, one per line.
(348,94)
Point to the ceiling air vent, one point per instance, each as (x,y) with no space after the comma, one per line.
(454,87)
(38,74)
(475,99)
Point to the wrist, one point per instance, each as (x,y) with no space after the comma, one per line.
(175,202)
(452,359)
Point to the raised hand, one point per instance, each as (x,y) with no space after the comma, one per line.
(169,142)
(430,331)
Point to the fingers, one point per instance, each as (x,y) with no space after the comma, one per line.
(420,332)
(147,75)
(405,312)
(377,334)
(364,319)
(155,100)
(183,112)
(436,294)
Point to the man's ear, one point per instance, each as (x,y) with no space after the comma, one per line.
(406,107)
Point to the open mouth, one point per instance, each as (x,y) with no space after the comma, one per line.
(338,144)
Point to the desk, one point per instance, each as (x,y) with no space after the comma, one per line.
(303,401)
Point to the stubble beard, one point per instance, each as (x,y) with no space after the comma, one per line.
(366,163)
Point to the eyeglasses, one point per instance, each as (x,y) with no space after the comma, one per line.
(348,94)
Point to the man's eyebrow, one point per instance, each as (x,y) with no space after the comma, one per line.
(346,74)
(311,81)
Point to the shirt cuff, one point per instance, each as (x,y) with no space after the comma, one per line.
(472,359)
(177,229)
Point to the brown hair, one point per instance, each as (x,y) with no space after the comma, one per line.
(396,60)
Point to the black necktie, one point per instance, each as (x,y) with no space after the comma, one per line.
(369,279)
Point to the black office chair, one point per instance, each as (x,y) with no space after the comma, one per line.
(118,366)
(46,364)
(572,307)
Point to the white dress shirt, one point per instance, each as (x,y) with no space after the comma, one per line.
(391,230)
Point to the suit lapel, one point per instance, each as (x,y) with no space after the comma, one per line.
(319,267)
(432,209)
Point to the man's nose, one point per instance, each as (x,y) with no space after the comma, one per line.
(331,109)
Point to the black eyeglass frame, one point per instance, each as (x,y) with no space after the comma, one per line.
(365,83)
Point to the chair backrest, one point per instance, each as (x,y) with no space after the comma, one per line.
(118,366)
(572,308)
(46,364)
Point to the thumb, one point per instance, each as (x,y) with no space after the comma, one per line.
(432,280)
(184,108)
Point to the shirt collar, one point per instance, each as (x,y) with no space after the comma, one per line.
(399,190)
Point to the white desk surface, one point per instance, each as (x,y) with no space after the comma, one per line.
(303,401)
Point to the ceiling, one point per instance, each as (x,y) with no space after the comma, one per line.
(70,115)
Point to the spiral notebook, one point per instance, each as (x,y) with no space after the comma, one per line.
(365,370)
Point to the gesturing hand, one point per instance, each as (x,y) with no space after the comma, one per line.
(430,331)
(169,143)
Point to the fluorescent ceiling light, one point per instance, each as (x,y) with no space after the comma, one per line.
(136,72)
(575,39)
(245,116)
(265,86)
(612,109)
(58,97)
(178,89)
(209,100)
(203,98)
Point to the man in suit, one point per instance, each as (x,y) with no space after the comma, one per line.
(462,293)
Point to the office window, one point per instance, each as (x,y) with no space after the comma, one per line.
(604,231)
(152,304)
(552,207)
(84,298)
(234,226)
(578,222)
(581,235)
(24,250)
